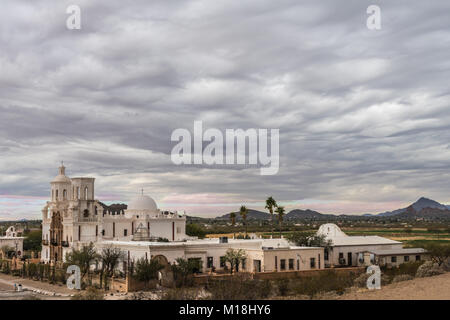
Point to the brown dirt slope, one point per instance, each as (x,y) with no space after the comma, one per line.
(432,288)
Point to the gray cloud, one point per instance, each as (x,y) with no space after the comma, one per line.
(363,115)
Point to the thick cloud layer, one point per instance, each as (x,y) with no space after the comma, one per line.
(363,115)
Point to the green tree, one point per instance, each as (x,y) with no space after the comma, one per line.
(235,258)
(195,230)
(33,241)
(183,270)
(280,211)
(270,205)
(83,258)
(439,253)
(147,270)
(309,239)
(243,212)
(110,258)
(233,222)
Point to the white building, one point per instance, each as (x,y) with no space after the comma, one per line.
(361,250)
(11,242)
(74,218)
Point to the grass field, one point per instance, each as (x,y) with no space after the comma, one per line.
(411,237)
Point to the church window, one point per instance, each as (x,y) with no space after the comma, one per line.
(64,194)
(78,193)
(86,213)
(56,194)
(86,193)
(125,232)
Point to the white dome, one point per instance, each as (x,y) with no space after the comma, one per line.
(330,230)
(142,202)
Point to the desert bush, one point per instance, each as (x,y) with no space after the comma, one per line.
(402,277)
(409,268)
(239,288)
(180,294)
(283,287)
(90,294)
(325,282)
(429,269)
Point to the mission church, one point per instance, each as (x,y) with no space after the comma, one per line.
(74,218)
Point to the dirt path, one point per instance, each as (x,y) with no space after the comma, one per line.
(7,283)
(432,288)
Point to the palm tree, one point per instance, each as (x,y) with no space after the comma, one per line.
(280,211)
(233,222)
(243,212)
(270,204)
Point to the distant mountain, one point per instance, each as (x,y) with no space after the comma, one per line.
(252,214)
(417,206)
(433,213)
(298,214)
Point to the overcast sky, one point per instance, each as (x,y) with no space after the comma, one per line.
(363,114)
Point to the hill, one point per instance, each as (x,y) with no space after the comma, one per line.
(417,206)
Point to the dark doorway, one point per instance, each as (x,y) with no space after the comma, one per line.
(349,258)
(257,265)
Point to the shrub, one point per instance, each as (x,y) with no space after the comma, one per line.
(90,294)
(240,288)
(429,269)
(283,287)
(325,282)
(409,268)
(147,270)
(180,294)
(402,277)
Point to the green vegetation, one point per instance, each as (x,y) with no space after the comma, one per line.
(33,241)
(239,288)
(183,271)
(308,239)
(270,205)
(147,270)
(83,258)
(243,212)
(280,211)
(235,258)
(195,230)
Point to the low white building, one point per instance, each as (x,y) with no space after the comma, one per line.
(11,242)
(350,250)
(262,255)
